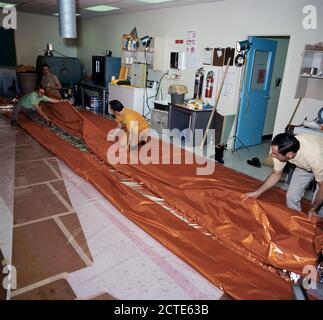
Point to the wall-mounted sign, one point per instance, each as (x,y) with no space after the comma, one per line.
(261,76)
(191,49)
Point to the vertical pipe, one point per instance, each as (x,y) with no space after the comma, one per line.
(67,18)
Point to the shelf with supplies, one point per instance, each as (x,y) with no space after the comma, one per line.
(311,71)
(311,77)
(132,51)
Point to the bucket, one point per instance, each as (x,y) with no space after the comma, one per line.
(27,82)
(95,104)
(177,98)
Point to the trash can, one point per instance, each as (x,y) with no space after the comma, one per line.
(27,81)
(177,94)
(177,98)
(96,104)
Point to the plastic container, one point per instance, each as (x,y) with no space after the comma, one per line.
(177,98)
(177,93)
(95,104)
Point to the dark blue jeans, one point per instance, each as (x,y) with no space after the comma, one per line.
(29,113)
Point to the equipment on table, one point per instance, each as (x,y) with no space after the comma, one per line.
(146,41)
(104,69)
(138,75)
(49,50)
(196,104)
(123,83)
(316,123)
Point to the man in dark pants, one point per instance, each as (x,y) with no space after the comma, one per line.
(29,105)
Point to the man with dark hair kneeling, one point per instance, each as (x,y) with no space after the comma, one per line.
(29,105)
(134,123)
(306,152)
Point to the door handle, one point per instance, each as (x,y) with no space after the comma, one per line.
(267,97)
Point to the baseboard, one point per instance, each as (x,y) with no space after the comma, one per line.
(267,137)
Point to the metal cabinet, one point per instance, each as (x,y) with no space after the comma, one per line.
(182,118)
(132,98)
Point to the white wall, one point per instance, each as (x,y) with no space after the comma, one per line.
(32,35)
(278,72)
(217,24)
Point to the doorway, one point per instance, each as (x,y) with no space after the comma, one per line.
(277,78)
(262,81)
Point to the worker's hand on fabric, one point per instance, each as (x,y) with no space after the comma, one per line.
(111,137)
(312,212)
(253,195)
(47,120)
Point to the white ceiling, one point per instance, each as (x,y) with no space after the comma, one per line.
(49,7)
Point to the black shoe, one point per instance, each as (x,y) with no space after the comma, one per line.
(13,123)
(254,162)
(219,151)
(219,159)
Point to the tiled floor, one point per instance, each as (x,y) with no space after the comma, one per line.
(128,263)
(236,160)
(68,242)
(44,223)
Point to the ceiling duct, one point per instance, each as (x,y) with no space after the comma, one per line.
(67,18)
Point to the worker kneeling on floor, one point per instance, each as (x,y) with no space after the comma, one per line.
(306,152)
(133,122)
(29,105)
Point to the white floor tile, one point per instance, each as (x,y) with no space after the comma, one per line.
(128,263)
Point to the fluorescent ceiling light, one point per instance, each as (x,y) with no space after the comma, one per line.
(57,14)
(6,5)
(101,8)
(154,1)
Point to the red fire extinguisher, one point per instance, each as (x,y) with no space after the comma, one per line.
(209,84)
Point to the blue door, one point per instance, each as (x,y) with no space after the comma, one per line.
(255,92)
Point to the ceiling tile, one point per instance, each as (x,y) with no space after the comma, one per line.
(48,7)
